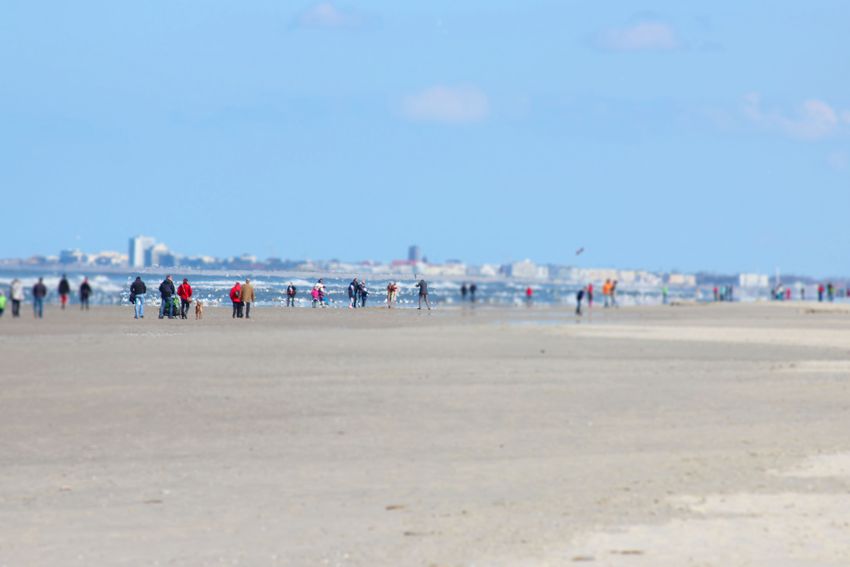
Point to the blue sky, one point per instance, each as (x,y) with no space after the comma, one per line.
(665,135)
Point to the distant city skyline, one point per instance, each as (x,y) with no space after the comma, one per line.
(665,136)
(148,252)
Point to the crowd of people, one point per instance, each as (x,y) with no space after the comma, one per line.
(826,292)
(724,293)
(176,300)
(39,294)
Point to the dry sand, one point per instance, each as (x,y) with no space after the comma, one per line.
(695,435)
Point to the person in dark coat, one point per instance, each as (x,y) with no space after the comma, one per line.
(137,297)
(39,292)
(166,292)
(291,290)
(85,294)
(423,294)
(64,291)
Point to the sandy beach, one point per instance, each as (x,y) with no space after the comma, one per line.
(658,436)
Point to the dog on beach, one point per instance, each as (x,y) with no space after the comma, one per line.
(199,310)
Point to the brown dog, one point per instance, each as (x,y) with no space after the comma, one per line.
(199,310)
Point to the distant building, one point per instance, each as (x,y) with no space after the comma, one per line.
(107,258)
(590,275)
(484,270)
(753,280)
(156,255)
(450,270)
(563,273)
(139,248)
(414,254)
(526,269)
(71,257)
(683,280)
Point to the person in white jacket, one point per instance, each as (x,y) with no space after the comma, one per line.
(16,294)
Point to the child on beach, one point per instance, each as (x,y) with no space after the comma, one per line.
(363,292)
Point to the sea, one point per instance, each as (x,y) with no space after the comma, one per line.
(213,289)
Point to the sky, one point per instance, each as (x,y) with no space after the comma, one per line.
(665,135)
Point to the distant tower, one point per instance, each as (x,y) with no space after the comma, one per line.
(414,254)
(139,247)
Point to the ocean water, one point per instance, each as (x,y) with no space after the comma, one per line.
(113,289)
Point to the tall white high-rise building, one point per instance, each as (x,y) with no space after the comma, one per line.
(139,246)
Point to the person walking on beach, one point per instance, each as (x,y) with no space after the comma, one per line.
(463,291)
(85,294)
(472,289)
(821,289)
(392,292)
(290,295)
(137,297)
(589,295)
(529,295)
(612,293)
(39,292)
(16,294)
(314,295)
(247,297)
(236,299)
(166,292)
(579,298)
(64,291)
(184,292)
(830,292)
(423,294)
(606,293)
(353,290)
(363,291)
(2,303)
(323,294)
(664,293)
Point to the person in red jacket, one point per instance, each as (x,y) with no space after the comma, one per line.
(236,298)
(184,292)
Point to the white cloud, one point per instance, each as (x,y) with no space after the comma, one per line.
(814,119)
(328,15)
(647,35)
(448,104)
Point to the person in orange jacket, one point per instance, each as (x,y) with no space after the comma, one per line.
(606,293)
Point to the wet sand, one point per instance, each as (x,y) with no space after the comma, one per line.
(665,436)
